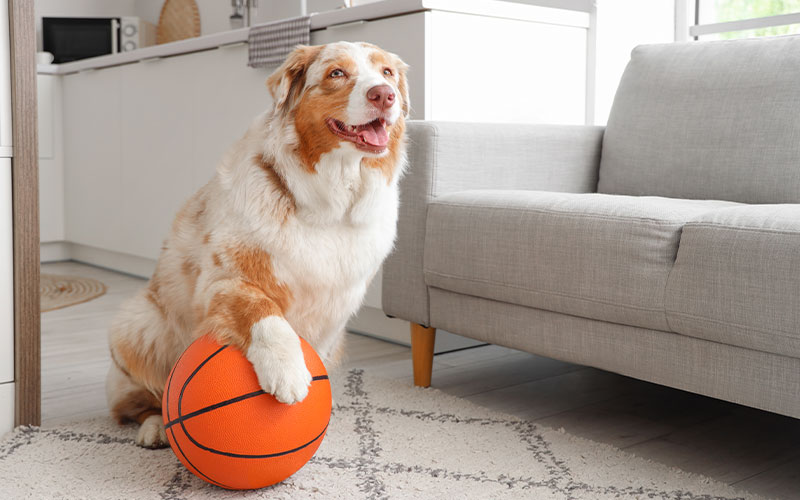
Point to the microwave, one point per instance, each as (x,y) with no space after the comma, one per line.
(74,38)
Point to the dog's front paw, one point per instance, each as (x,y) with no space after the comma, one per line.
(151,433)
(278,360)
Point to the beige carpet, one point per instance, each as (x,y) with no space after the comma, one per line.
(386,440)
(62,291)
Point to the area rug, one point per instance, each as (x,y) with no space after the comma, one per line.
(386,440)
(62,291)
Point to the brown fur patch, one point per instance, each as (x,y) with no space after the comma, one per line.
(152,297)
(207,238)
(190,270)
(136,406)
(258,294)
(285,204)
(201,210)
(142,365)
(329,100)
(287,82)
(217,261)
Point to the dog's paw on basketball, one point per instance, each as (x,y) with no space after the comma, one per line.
(151,433)
(277,359)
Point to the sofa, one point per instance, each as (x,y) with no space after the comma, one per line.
(664,246)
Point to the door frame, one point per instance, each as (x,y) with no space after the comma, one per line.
(25,206)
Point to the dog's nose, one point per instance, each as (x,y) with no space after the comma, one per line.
(381,96)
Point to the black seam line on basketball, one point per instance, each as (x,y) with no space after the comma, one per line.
(212,450)
(175,440)
(180,399)
(226,403)
(268,455)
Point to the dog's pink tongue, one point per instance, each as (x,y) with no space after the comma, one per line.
(375,134)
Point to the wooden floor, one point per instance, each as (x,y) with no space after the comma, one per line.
(754,450)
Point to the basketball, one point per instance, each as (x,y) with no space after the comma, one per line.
(228,431)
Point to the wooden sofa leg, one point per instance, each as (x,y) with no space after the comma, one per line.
(422,340)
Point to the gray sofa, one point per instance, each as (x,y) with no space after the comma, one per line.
(664,246)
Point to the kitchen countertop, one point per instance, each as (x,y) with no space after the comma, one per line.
(569,13)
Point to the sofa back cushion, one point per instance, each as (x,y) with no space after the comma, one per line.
(707,120)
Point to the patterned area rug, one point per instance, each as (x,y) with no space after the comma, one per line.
(386,441)
(62,291)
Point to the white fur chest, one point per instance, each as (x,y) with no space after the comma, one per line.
(327,254)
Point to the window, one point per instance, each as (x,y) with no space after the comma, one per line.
(729,19)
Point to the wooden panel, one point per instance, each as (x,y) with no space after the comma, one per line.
(25,185)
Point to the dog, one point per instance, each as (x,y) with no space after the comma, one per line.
(282,242)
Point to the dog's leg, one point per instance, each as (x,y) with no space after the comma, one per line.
(143,350)
(243,315)
(130,402)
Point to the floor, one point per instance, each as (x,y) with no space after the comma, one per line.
(754,450)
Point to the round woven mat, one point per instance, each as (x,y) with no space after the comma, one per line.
(62,291)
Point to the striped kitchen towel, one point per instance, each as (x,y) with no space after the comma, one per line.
(271,43)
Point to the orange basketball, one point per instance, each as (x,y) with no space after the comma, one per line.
(227,431)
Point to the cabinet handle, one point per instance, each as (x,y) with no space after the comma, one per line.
(150,59)
(347,25)
(232,45)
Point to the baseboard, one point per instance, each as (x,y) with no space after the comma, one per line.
(54,251)
(373,322)
(116,261)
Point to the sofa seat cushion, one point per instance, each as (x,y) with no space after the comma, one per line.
(736,279)
(605,257)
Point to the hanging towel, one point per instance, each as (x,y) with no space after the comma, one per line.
(271,43)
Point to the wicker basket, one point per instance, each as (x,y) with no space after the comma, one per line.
(179,19)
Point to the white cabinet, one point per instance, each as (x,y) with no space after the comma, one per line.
(142,138)
(92,158)
(5,81)
(51,159)
(156,144)
(6,275)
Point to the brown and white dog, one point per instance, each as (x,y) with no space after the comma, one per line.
(283,241)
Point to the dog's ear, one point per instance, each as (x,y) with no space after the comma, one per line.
(402,84)
(286,83)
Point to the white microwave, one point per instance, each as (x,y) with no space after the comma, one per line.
(75,38)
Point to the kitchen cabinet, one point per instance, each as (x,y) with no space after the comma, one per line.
(93,158)
(6,232)
(6,275)
(51,161)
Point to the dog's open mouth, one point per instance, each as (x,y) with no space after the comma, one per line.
(372,137)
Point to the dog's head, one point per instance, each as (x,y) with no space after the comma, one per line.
(348,95)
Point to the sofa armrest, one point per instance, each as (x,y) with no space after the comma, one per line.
(446,157)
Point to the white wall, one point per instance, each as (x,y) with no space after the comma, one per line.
(621,26)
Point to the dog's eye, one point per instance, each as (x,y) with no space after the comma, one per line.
(337,73)
(387,72)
